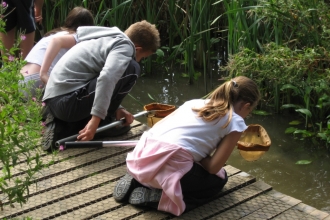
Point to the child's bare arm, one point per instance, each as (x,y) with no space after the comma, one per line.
(38,10)
(54,46)
(215,162)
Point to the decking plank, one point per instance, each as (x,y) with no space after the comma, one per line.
(63,191)
(72,158)
(86,203)
(137,130)
(319,214)
(231,170)
(122,213)
(154,215)
(294,214)
(66,192)
(71,164)
(251,200)
(281,203)
(80,183)
(137,210)
(227,201)
(311,211)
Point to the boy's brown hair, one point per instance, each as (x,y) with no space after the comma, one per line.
(145,35)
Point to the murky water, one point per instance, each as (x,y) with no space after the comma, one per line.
(308,183)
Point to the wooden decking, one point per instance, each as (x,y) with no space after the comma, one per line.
(80,183)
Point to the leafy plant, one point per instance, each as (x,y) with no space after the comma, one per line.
(324,133)
(303,162)
(20,128)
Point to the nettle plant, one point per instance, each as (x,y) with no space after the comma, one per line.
(20,127)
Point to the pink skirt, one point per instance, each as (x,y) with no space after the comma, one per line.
(161,165)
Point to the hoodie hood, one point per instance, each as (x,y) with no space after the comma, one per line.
(94,32)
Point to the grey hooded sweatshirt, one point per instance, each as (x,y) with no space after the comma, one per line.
(101,52)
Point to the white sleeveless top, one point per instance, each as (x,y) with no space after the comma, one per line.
(37,53)
(184,128)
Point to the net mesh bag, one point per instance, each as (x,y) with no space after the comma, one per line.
(160,111)
(254,142)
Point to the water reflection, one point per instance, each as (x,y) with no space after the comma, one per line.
(309,183)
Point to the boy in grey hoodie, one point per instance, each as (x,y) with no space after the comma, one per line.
(89,82)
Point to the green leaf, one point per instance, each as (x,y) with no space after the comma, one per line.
(289,106)
(323,136)
(4,96)
(304,132)
(303,162)
(196,75)
(214,40)
(2,130)
(260,112)
(294,122)
(151,97)
(304,111)
(290,130)
(289,86)
(160,53)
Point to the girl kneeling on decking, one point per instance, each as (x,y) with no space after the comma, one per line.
(171,168)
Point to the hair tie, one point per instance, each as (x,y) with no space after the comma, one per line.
(234,83)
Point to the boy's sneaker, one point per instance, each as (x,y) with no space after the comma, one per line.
(124,187)
(44,112)
(50,133)
(145,197)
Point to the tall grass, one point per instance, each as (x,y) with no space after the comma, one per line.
(185,25)
(151,11)
(55,12)
(194,32)
(115,14)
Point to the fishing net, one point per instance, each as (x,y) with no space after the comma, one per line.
(254,142)
(160,111)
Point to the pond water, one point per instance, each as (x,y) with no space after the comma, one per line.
(308,183)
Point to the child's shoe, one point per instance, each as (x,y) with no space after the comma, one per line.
(124,187)
(51,132)
(145,197)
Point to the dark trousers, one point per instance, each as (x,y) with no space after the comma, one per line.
(199,186)
(74,108)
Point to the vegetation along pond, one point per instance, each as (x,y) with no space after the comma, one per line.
(277,167)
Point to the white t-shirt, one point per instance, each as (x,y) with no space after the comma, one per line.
(184,128)
(37,53)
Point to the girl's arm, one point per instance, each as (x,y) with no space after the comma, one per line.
(54,46)
(215,162)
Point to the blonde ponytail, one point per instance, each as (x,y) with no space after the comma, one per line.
(223,98)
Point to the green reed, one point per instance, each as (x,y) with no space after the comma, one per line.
(117,13)
(191,24)
(151,11)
